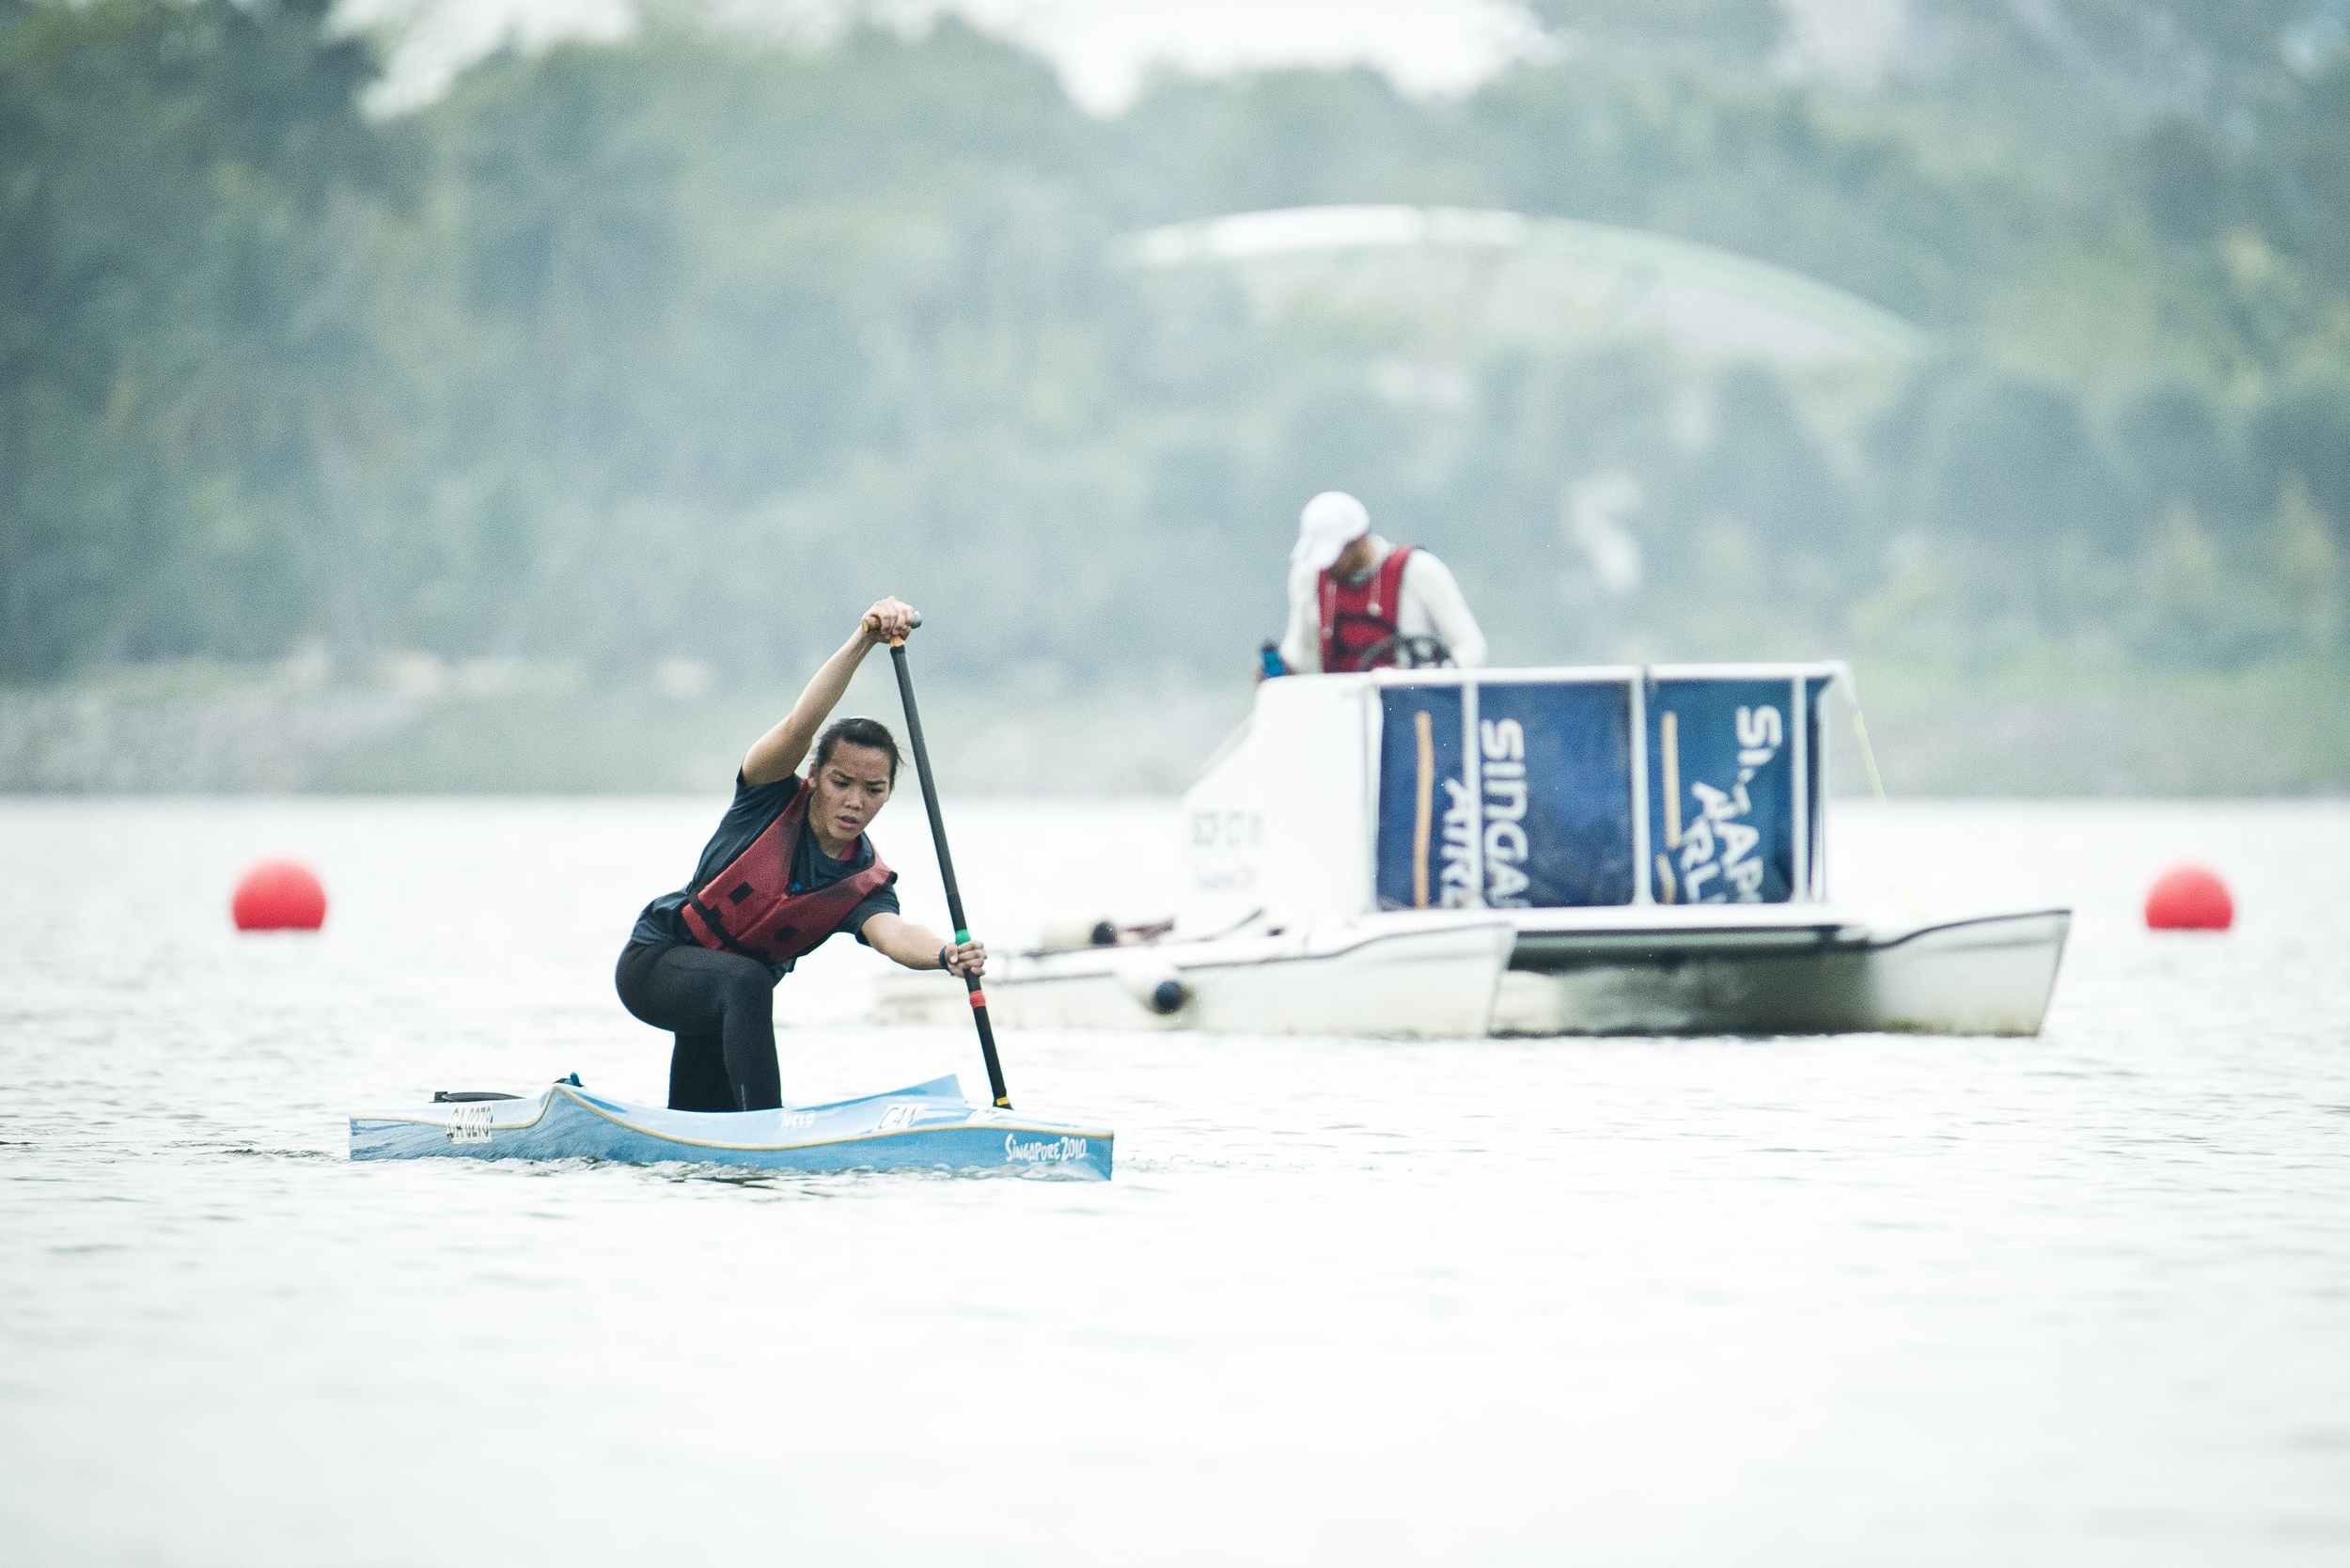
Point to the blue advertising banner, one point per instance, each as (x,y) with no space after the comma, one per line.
(1722,789)
(1555,775)
(1424,822)
(1537,816)
(1519,794)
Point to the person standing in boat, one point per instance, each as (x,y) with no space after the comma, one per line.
(788,866)
(1358,602)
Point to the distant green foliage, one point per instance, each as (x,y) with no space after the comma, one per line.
(687,348)
(176,333)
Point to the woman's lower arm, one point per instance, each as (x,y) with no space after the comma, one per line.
(918,947)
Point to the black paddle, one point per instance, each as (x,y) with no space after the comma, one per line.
(947,865)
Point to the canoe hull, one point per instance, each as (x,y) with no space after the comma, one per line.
(925,1127)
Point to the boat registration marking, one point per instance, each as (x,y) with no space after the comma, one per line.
(469,1124)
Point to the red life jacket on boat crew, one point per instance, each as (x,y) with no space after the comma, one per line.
(1356,620)
(750,907)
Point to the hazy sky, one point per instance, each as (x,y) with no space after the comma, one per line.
(1101,47)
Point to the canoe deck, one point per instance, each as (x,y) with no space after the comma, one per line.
(927,1126)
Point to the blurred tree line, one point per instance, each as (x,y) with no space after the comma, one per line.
(689,345)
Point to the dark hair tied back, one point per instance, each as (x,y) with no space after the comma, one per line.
(858,732)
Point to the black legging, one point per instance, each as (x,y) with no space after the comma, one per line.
(722,1008)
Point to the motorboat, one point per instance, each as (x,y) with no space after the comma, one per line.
(1446,853)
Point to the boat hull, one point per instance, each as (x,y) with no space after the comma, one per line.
(1686,969)
(1986,975)
(1408,974)
(925,1127)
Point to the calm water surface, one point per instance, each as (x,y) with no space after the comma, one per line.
(2083,1299)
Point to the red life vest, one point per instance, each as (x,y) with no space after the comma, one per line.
(749,908)
(1356,620)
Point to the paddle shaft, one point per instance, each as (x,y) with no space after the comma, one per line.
(946,869)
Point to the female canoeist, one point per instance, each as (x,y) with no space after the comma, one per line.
(788,866)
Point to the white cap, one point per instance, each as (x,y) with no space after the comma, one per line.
(1331,521)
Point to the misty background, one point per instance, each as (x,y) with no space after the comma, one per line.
(377,413)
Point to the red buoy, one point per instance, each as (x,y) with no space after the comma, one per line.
(278,895)
(2189,897)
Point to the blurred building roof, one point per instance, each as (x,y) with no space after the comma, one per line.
(1515,278)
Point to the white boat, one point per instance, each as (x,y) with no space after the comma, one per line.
(1571,851)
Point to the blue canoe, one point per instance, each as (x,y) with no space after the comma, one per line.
(928,1127)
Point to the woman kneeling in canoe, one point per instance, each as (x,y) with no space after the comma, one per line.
(788,866)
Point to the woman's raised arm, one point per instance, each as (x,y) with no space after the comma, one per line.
(777,754)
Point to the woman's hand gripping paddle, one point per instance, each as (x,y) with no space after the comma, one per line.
(947,865)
